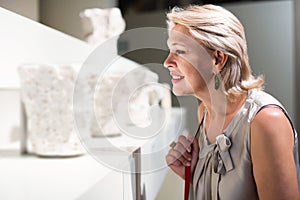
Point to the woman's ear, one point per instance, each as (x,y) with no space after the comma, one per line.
(220,59)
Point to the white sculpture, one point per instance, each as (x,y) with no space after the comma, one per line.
(100,25)
(104,25)
(47,93)
(133,90)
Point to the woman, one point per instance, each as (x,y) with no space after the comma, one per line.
(246,146)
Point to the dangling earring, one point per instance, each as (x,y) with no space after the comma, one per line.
(217,82)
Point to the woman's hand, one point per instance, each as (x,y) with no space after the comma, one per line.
(184,153)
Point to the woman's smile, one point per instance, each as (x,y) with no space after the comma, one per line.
(176,77)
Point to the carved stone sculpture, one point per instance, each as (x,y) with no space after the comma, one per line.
(47,93)
(100,25)
(131,92)
(125,79)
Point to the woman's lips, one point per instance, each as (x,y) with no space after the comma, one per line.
(176,78)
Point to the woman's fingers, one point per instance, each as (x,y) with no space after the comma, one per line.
(185,142)
(176,158)
(171,160)
(195,151)
(180,153)
(183,153)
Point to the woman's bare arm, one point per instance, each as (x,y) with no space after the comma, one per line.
(272,142)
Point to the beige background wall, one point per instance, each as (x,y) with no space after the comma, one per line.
(269,28)
(173,188)
(27,8)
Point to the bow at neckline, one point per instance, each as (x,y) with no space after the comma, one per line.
(219,151)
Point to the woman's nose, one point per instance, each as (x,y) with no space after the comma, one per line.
(169,61)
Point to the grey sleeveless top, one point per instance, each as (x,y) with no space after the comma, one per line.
(224,168)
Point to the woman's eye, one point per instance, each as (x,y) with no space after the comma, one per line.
(180,52)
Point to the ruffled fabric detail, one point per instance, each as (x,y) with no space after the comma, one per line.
(222,161)
(217,157)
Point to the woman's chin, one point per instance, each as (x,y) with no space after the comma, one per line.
(177,93)
(181,93)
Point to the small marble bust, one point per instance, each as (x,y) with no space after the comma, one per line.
(100,25)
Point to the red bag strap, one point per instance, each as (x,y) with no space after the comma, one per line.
(187,180)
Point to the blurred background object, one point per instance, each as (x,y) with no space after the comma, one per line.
(47,94)
(100,25)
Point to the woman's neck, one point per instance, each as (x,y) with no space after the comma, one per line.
(222,106)
(218,104)
(220,112)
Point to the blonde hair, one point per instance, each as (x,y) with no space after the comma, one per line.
(218,29)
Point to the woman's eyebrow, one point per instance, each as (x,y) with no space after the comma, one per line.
(178,44)
(170,43)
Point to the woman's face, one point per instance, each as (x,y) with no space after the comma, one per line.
(190,63)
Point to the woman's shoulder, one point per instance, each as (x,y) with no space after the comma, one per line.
(269,113)
(272,129)
(263,98)
(269,117)
(260,100)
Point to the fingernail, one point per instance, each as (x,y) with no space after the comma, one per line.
(188,164)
